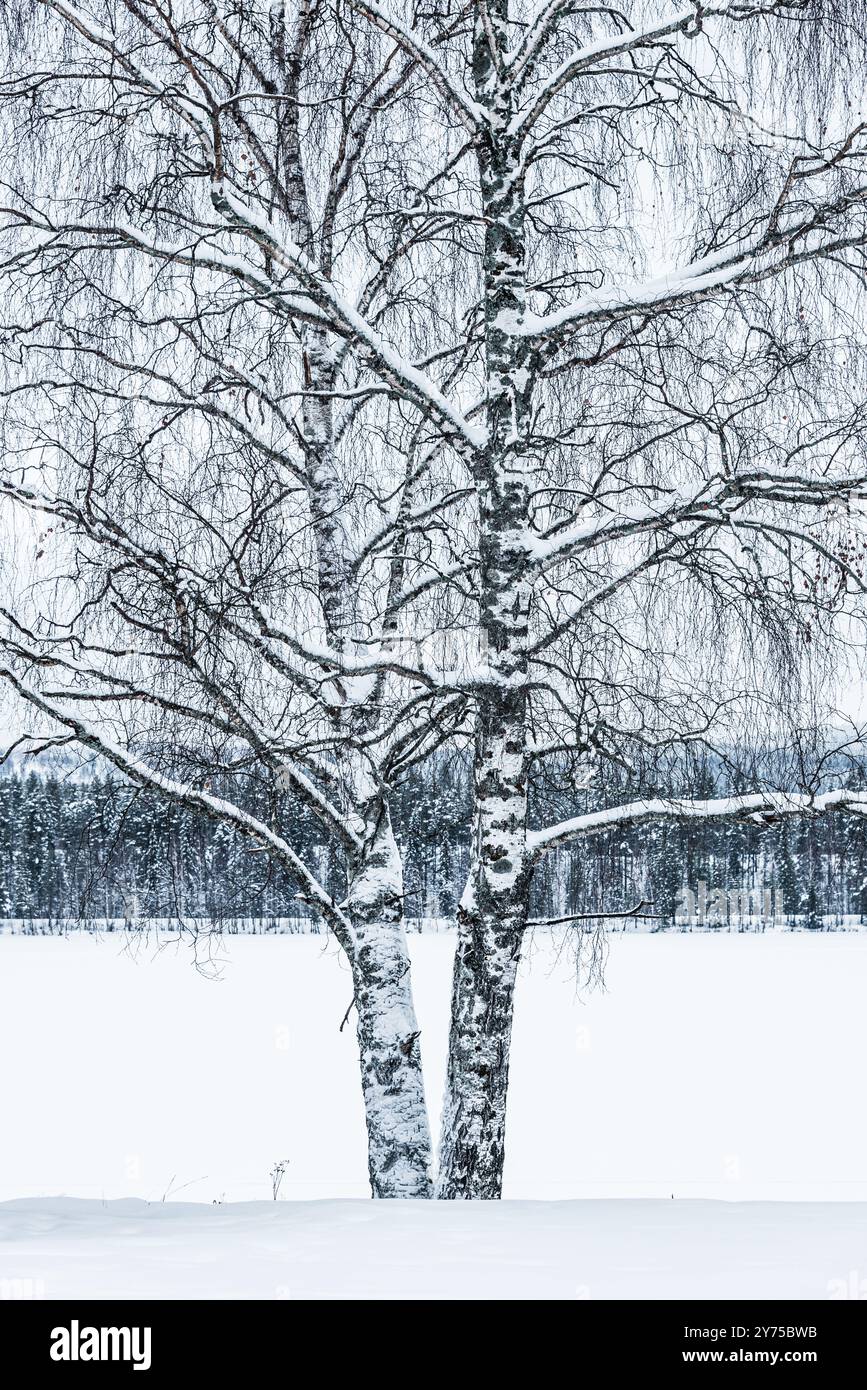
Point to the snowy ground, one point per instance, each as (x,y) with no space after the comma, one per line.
(332,1249)
(713,1067)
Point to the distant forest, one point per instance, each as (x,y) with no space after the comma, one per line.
(74,849)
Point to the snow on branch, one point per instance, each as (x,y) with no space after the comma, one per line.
(633,912)
(757,808)
(710,500)
(193,798)
(765,256)
(117,236)
(194,112)
(235,723)
(686,19)
(591,54)
(407,380)
(471,116)
(178,579)
(318,303)
(542,27)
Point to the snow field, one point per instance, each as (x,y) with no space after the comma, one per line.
(158,1099)
(63,1248)
(715,1067)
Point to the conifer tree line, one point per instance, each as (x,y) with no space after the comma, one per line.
(101,855)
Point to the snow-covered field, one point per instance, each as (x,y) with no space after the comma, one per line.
(726,1067)
(355,1249)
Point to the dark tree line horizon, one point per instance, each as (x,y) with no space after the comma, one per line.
(90,849)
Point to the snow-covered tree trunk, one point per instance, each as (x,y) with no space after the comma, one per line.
(493,911)
(472,1149)
(398,1134)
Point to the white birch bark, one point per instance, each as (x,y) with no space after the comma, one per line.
(493,910)
(388,1034)
(398,1132)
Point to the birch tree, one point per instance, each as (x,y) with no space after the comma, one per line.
(635,479)
(173,428)
(459,383)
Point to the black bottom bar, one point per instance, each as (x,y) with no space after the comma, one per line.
(162,1339)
